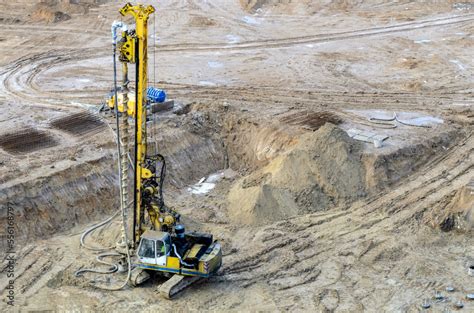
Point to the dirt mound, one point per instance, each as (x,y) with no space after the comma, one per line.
(456,213)
(323,170)
(201,21)
(49,15)
(251,145)
(54,11)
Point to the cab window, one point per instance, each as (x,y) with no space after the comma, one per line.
(160,248)
(147,249)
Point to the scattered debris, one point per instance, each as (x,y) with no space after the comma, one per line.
(250,20)
(459,304)
(426,304)
(463,6)
(232,38)
(215,64)
(438,295)
(163,106)
(206,184)
(367,136)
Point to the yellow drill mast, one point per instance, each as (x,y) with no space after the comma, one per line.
(147,189)
(141,15)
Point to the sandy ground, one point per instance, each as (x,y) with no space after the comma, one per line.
(249,73)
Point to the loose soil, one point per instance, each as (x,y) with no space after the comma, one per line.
(309,218)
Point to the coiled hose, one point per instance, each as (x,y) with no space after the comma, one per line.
(113,267)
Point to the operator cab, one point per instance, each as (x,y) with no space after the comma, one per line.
(154,247)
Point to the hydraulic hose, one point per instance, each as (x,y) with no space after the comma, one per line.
(179,257)
(89,230)
(112,266)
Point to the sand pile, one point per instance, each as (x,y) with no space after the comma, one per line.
(201,21)
(323,170)
(251,145)
(48,15)
(54,11)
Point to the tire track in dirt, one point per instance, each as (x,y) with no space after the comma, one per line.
(16,84)
(288,42)
(57,30)
(36,266)
(320,100)
(226,12)
(20,79)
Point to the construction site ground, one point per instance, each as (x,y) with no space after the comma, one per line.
(273,102)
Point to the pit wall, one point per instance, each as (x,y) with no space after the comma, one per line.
(189,156)
(47,205)
(385,169)
(89,191)
(455,212)
(251,145)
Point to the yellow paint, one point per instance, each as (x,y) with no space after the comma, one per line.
(172,262)
(120,106)
(146,173)
(192,253)
(141,15)
(127,49)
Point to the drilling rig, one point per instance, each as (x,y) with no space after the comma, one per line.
(158,242)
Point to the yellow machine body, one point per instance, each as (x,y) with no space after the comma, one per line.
(160,259)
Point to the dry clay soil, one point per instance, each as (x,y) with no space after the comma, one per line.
(309,218)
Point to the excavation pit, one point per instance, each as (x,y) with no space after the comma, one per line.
(311,120)
(79,124)
(26,141)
